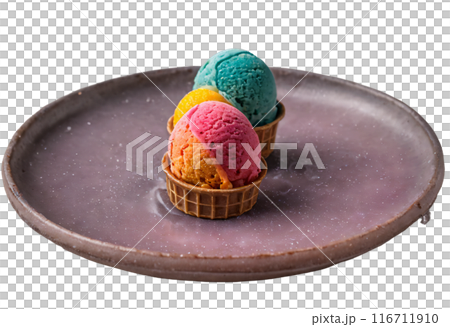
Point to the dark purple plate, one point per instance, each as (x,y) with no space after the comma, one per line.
(65,174)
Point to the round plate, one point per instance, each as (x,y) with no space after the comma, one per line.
(65,174)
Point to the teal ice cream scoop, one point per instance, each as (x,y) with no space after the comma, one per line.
(244,80)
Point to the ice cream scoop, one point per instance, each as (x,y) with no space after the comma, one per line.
(194,98)
(183,148)
(244,80)
(221,133)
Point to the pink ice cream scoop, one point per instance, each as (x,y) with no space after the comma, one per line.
(223,128)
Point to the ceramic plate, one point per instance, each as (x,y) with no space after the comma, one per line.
(65,174)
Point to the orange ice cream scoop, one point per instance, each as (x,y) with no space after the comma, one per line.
(192,163)
(194,98)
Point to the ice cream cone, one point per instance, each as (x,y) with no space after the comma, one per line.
(211,203)
(170,124)
(266,133)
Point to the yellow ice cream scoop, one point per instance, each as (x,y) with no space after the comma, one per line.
(194,98)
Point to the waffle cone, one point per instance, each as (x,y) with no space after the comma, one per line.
(211,203)
(266,133)
(170,124)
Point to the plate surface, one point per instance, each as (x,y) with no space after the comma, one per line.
(65,174)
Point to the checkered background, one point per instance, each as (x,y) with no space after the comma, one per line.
(50,48)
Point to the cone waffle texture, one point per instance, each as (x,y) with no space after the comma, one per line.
(211,203)
(266,133)
(170,125)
